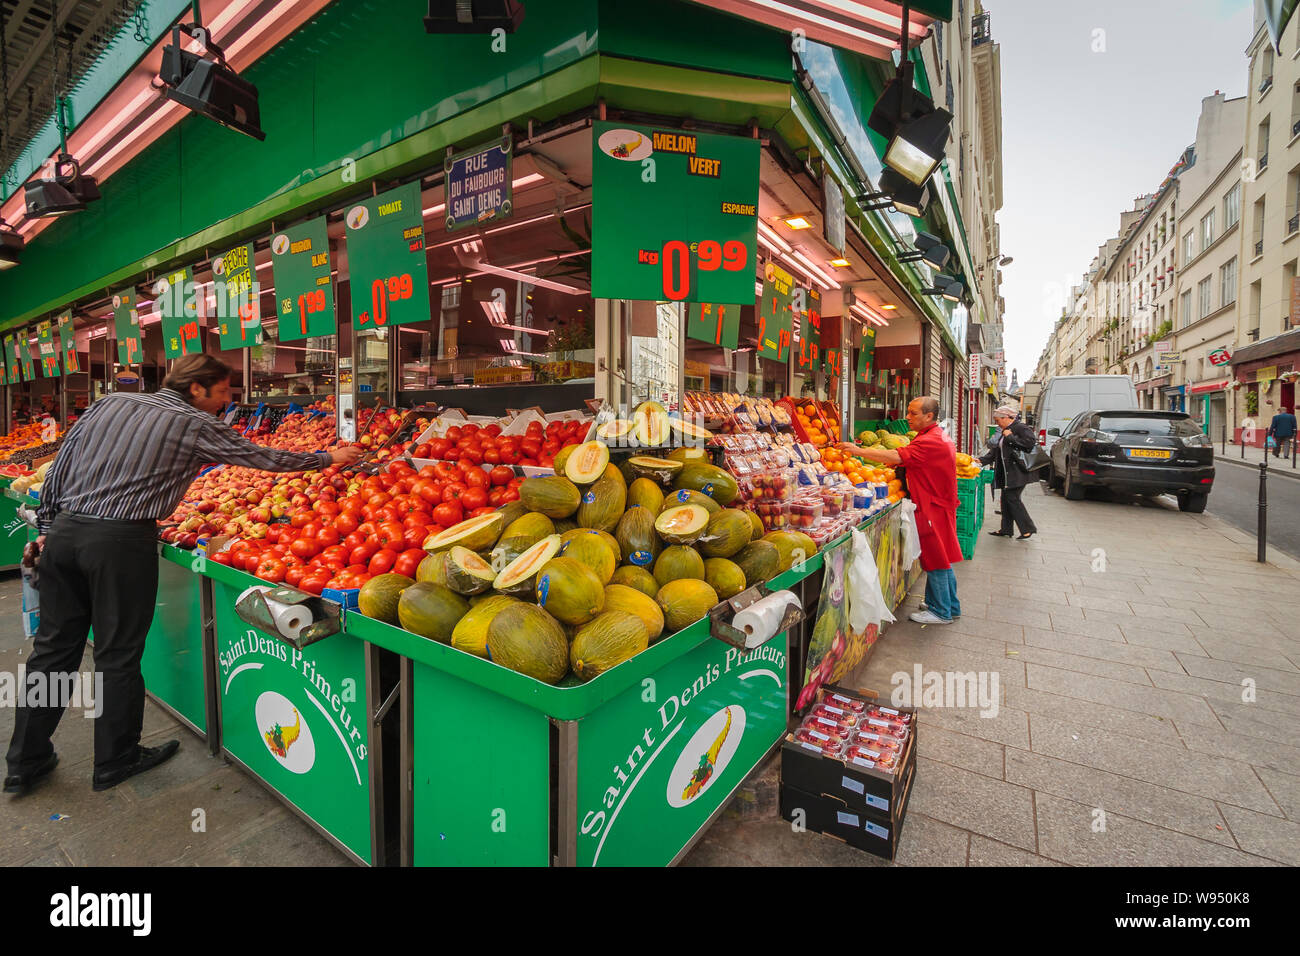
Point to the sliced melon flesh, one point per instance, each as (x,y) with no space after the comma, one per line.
(467,573)
(616,428)
(476,534)
(683,524)
(652,426)
(517,576)
(690,429)
(657,469)
(587,462)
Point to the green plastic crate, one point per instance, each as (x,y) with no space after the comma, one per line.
(967,542)
(967,523)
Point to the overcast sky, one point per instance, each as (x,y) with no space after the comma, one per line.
(1084,133)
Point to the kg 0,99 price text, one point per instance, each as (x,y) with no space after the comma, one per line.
(383,291)
(680,261)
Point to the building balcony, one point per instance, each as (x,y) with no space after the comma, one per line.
(980,32)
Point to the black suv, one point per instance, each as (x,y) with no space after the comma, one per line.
(1135,451)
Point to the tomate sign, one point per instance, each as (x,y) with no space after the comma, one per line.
(390,277)
(675,215)
(304,295)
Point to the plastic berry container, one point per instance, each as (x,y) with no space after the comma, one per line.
(862,755)
(832,699)
(774,514)
(835,715)
(878,741)
(805,512)
(888,713)
(874,724)
(828,744)
(829,725)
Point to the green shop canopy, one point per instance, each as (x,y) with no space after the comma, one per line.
(868,27)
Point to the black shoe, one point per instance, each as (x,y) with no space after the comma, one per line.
(1000,534)
(19,783)
(1027,535)
(146,759)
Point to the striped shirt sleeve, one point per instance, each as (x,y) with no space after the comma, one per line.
(218,442)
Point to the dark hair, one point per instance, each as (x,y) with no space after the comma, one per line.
(202,369)
(929,405)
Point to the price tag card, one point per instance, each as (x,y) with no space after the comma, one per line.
(715,323)
(674,214)
(47,352)
(866,354)
(775,315)
(390,277)
(176,303)
(68,343)
(304,294)
(9,362)
(126,326)
(237,294)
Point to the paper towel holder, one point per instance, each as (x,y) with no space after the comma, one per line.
(722,629)
(327,618)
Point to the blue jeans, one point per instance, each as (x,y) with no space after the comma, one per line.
(941,594)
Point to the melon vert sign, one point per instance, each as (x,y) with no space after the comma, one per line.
(655,762)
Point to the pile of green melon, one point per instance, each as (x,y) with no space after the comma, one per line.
(589,567)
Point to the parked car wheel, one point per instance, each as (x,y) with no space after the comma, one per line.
(1073,490)
(1053,479)
(1192,502)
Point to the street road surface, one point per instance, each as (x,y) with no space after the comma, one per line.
(1235,499)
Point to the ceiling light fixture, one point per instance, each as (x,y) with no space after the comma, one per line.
(840,263)
(209,87)
(473,16)
(798,222)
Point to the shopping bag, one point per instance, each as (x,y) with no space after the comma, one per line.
(867,604)
(1272,442)
(911,535)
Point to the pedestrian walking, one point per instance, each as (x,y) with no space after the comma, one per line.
(929,466)
(1008,474)
(126,464)
(1282,429)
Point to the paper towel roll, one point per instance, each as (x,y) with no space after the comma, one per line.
(248,591)
(761,620)
(289,619)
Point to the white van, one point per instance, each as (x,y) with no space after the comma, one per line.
(1069,395)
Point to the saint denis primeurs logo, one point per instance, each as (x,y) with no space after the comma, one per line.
(706,755)
(284,732)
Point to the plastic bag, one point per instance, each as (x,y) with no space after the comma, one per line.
(911,536)
(867,604)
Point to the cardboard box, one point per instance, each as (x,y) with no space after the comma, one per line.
(865,831)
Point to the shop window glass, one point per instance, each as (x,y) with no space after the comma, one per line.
(653,352)
(714,369)
(300,370)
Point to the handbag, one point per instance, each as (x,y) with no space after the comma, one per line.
(1032,460)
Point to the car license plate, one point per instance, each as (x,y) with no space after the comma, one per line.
(1149,453)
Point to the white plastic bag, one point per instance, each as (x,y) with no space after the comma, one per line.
(867,603)
(911,536)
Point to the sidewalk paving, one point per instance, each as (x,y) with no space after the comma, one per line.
(1121,692)
(1276,466)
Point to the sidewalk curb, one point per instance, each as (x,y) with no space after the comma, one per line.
(1253,465)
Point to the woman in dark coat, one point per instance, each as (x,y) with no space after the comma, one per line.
(1008,475)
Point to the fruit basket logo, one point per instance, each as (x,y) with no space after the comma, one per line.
(285,734)
(706,756)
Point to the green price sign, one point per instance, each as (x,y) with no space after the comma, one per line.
(807,304)
(239,316)
(68,343)
(47,352)
(386,258)
(674,214)
(300,266)
(25,357)
(7,362)
(866,354)
(715,323)
(126,324)
(775,314)
(176,302)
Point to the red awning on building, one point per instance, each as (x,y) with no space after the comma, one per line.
(869,27)
(1154,383)
(1207,387)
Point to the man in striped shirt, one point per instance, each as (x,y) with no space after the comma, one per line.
(125,465)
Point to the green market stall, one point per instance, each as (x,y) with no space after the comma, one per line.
(13,530)
(177,663)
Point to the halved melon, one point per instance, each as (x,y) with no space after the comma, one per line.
(690,430)
(520,574)
(651,422)
(476,534)
(656,469)
(586,462)
(682,525)
(467,573)
(615,429)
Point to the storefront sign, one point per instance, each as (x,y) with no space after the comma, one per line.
(775,314)
(563,371)
(499,376)
(176,303)
(68,343)
(390,277)
(478,186)
(126,326)
(974,374)
(1169,358)
(1266,374)
(46,351)
(674,215)
(239,313)
(1220,356)
(866,354)
(717,324)
(656,761)
(300,266)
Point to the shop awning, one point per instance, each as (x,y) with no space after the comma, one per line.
(868,27)
(1152,384)
(1277,345)
(1201,387)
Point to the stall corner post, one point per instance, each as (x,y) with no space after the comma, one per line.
(566,829)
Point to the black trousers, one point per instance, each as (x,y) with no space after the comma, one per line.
(1013,509)
(100,574)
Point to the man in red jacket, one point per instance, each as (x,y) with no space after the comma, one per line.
(930,470)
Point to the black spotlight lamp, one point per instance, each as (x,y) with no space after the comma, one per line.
(473,16)
(929,249)
(947,287)
(898,193)
(66,193)
(208,86)
(11,246)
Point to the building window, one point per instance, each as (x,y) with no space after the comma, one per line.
(1257,233)
(1207,229)
(1189,247)
(1228,281)
(1205,295)
(1232,207)
(1185,313)
(1261,150)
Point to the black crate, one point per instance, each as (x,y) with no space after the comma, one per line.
(863,830)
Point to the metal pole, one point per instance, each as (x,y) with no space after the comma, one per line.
(1261,534)
(1225,438)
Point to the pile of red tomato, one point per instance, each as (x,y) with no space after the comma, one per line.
(537,447)
(341,543)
